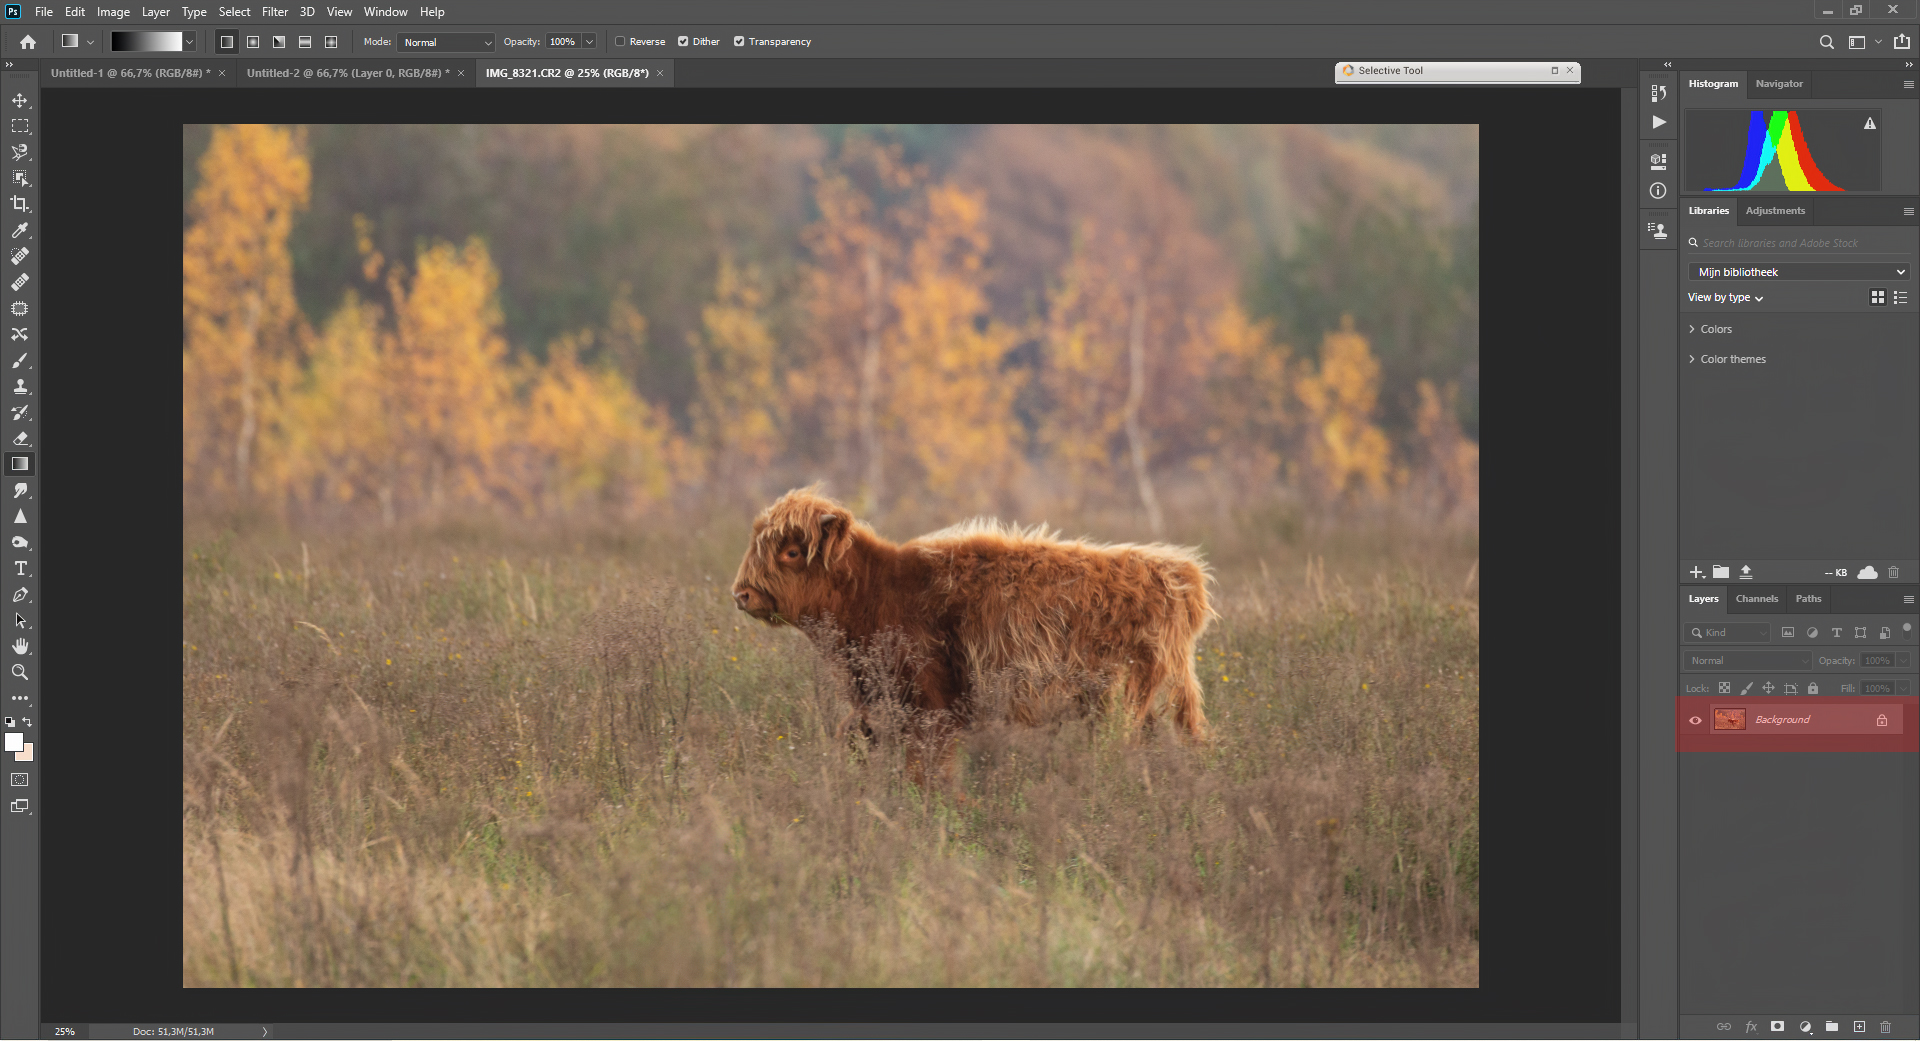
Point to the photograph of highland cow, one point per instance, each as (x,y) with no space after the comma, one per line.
(830,556)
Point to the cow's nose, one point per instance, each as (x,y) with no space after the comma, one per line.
(740,599)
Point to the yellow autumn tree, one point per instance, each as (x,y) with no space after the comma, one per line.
(835,391)
(243,330)
(592,440)
(949,397)
(737,416)
(1346,453)
(1447,461)
(1084,368)
(449,389)
(337,429)
(1252,402)
(622,341)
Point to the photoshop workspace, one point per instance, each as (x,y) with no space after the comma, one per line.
(770,519)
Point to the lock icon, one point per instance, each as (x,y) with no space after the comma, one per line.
(1881,721)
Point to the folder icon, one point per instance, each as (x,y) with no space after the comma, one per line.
(1722,571)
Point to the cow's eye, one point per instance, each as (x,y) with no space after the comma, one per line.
(791,553)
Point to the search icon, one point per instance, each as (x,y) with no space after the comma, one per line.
(20,671)
(1695,243)
(1696,635)
(1827,42)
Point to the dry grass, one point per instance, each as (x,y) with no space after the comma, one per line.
(480,757)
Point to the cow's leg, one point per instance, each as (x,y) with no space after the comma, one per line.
(1186,699)
(1147,673)
(930,750)
(854,723)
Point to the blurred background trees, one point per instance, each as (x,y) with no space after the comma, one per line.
(397,321)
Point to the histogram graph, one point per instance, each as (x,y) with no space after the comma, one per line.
(1783,150)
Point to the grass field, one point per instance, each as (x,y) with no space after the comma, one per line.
(479,755)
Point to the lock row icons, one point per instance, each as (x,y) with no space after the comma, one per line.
(1841,686)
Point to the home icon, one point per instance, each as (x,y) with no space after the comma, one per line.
(26,43)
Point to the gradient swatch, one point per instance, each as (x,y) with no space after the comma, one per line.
(1777,138)
(149,42)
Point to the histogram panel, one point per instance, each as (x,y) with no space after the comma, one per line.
(1783,150)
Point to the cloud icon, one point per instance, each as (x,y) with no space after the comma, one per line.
(1868,572)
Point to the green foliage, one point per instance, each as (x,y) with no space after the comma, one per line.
(576,216)
(1408,280)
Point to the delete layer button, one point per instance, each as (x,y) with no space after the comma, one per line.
(1806,717)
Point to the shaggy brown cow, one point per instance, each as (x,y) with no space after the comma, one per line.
(978,603)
